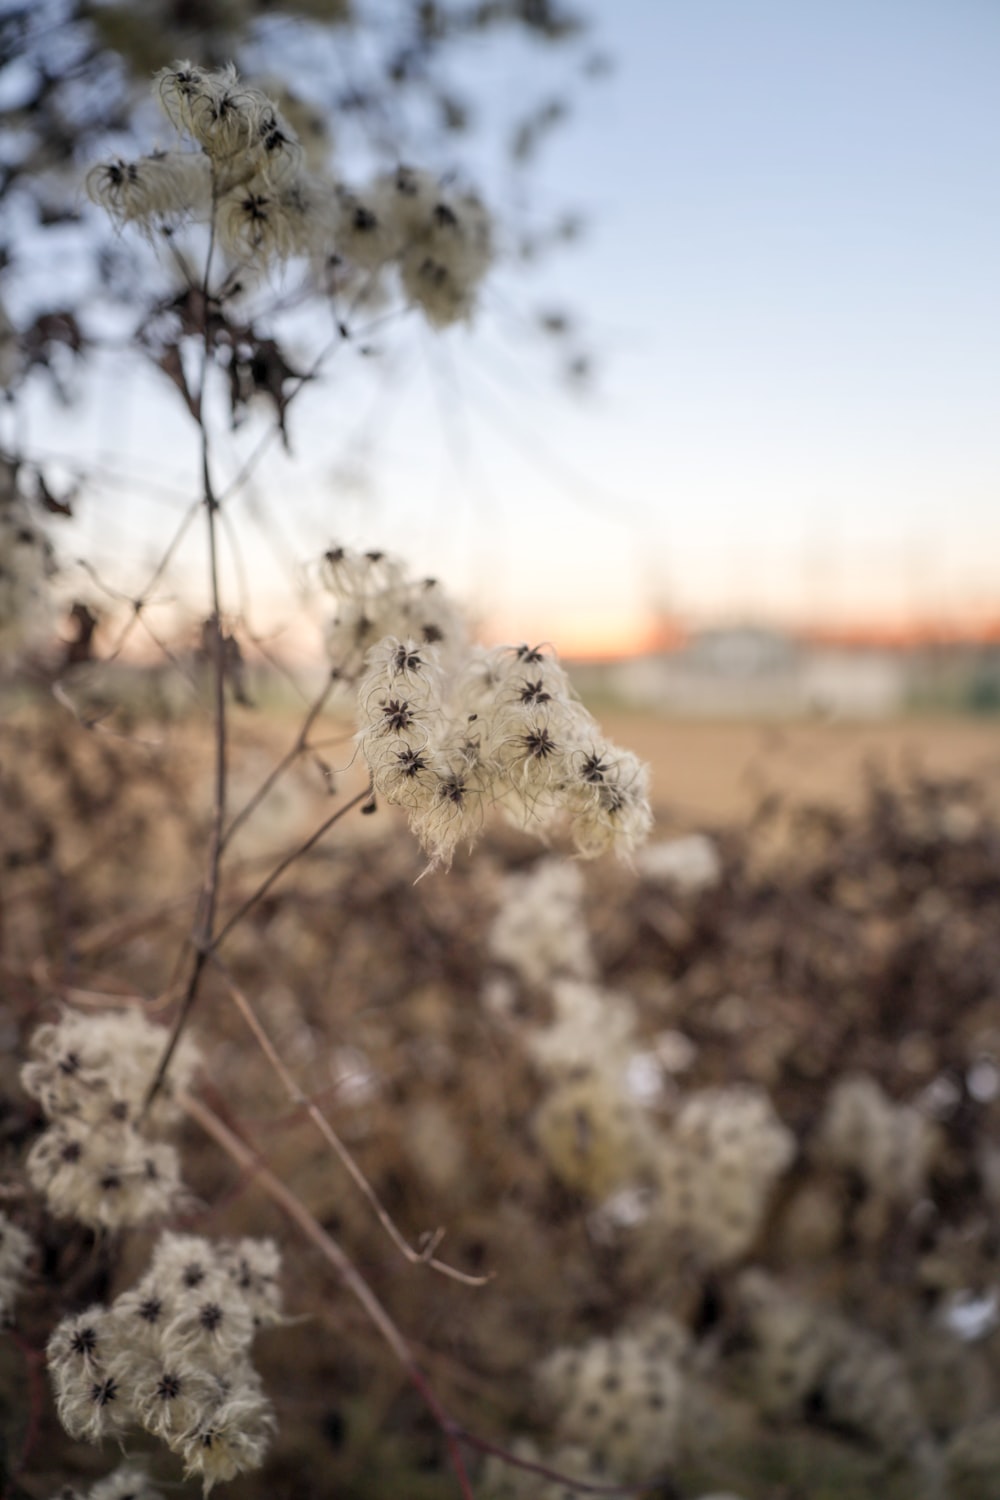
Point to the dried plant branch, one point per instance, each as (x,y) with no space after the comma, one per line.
(358,800)
(210,944)
(248,467)
(205,917)
(111,998)
(117,930)
(425,1256)
(250,1163)
(287,760)
(218,650)
(254,1168)
(139,603)
(663,1485)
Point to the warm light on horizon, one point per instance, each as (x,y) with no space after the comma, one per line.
(582,637)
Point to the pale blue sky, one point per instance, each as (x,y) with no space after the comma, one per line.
(798,239)
(791,284)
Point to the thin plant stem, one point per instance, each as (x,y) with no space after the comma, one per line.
(211,505)
(210,944)
(358,800)
(455,1435)
(205,916)
(663,1484)
(425,1256)
(250,1163)
(288,759)
(161,567)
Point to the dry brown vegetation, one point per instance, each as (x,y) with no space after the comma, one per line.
(856,935)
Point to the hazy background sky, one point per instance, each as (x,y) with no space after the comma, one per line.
(791,285)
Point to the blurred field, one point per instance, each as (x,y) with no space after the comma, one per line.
(718,772)
(712,772)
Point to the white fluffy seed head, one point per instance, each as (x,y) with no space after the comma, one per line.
(183,1262)
(451,731)
(790,1344)
(170,1394)
(353,576)
(253,1266)
(171,1356)
(591,1028)
(432,286)
(85,1065)
(362,235)
(405,198)
(458,791)
(799,1352)
(91,1403)
(590,1134)
(162,189)
(257,224)
(234,1434)
(607,794)
(444,243)
(212,1326)
(181,88)
(107,1177)
(227,117)
(142,1313)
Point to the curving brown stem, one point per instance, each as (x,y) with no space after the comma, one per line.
(250,1163)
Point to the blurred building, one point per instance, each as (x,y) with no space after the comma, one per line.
(757,671)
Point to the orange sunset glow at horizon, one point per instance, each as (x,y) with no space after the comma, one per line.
(607,638)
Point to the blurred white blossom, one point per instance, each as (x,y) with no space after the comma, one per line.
(96,1163)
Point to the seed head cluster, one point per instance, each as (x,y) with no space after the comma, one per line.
(590,1130)
(707,1173)
(127,1482)
(242,167)
(377,598)
(592,1136)
(450,736)
(620,1398)
(716,1170)
(592,1028)
(614,1407)
(889,1146)
(539,930)
(172,1356)
(95,1163)
(800,1354)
